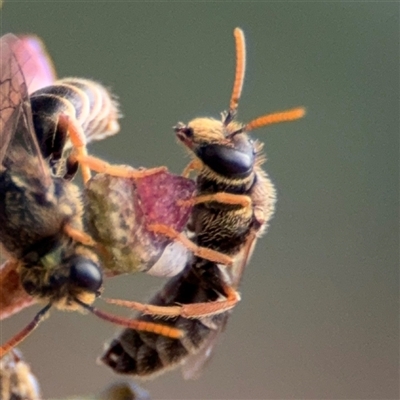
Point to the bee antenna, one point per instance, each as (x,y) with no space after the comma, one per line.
(228,116)
(20,336)
(133,323)
(240,45)
(274,118)
(241,130)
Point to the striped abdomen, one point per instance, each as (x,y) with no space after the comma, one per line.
(88,102)
(143,354)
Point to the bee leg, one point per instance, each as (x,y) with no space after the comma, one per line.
(221,197)
(79,236)
(199,251)
(20,336)
(195,310)
(194,165)
(78,140)
(122,171)
(71,168)
(145,326)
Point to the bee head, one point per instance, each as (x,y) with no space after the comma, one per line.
(223,146)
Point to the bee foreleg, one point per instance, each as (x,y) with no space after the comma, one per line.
(199,251)
(194,165)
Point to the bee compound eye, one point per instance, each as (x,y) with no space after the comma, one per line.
(227,161)
(85,274)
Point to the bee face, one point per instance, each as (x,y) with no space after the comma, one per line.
(221,146)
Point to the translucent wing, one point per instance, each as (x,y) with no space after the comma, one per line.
(18,144)
(242,260)
(35,62)
(194,364)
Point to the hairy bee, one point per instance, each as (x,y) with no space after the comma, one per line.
(41,213)
(234,202)
(118,206)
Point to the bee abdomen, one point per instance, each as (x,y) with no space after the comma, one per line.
(104,108)
(143,354)
(92,105)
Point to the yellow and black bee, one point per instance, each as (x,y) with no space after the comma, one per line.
(234,202)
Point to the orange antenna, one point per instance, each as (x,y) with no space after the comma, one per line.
(144,326)
(20,336)
(139,325)
(240,45)
(269,119)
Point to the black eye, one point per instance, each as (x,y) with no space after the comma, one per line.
(227,161)
(85,274)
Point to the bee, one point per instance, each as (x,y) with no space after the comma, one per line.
(16,379)
(58,106)
(118,205)
(41,214)
(235,200)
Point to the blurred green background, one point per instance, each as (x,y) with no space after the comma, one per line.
(319,312)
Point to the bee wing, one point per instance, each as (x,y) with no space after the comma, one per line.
(13,297)
(241,260)
(195,363)
(18,142)
(36,64)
